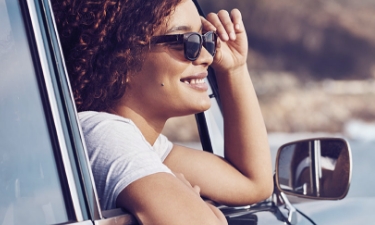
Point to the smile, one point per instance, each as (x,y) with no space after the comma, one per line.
(195,83)
(192,81)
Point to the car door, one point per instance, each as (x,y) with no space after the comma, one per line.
(43,172)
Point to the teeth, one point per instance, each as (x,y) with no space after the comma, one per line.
(194,81)
(199,81)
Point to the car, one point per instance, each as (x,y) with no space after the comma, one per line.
(45,175)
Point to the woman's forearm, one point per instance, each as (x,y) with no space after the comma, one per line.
(245,135)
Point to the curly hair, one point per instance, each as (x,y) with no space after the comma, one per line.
(104,40)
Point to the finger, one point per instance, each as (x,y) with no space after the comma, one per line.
(227,23)
(220,29)
(181,177)
(197,189)
(206,25)
(237,21)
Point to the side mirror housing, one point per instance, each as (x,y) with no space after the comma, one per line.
(318,168)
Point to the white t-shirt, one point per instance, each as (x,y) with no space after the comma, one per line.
(119,154)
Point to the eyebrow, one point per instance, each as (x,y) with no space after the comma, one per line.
(181,28)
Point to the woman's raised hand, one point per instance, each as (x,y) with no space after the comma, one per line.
(232,42)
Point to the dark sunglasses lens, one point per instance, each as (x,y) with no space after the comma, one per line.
(210,43)
(192,46)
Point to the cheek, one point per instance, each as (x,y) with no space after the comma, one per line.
(162,68)
(159,77)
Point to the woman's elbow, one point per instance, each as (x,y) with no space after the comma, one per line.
(259,191)
(265,190)
(269,186)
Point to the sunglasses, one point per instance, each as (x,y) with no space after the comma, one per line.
(192,41)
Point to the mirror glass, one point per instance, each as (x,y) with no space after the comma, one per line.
(314,168)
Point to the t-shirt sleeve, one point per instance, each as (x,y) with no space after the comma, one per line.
(119,155)
(162,147)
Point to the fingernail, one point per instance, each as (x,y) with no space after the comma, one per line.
(237,26)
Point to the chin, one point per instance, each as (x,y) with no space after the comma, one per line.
(189,108)
(203,106)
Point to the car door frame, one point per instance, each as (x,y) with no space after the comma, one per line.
(59,107)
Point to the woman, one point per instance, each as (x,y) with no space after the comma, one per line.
(130,74)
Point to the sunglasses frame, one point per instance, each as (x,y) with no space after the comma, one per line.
(183,38)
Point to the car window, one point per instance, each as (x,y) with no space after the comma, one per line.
(215,123)
(30,187)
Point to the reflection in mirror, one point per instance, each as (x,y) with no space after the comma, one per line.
(314,168)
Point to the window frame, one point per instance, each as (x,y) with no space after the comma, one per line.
(72,164)
(208,132)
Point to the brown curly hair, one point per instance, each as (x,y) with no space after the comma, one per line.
(104,40)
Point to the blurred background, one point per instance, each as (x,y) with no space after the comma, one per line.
(312,63)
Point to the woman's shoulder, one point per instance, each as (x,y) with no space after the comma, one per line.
(90,119)
(110,128)
(97,117)
(101,123)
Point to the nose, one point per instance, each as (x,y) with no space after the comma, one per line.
(204,58)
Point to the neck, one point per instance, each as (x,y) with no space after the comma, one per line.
(150,127)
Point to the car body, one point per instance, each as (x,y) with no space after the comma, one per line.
(45,176)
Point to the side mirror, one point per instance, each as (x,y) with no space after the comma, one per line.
(315,168)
